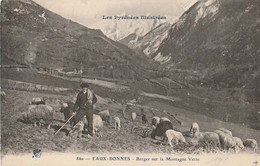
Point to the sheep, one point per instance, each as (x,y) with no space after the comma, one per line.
(212,138)
(226,131)
(193,141)
(155,121)
(144,119)
(37,101)
(55,103)
(105,116)
(67,110)
(161,128)
(164,119)
(80,127)
(221,135)
(239,143)
(177,136)
(133,116)
(194,128)
(232,142)
(208,138)
(227,141)
(218,131)
(3,95)
(37,113)
(117,123)
(250,143)
(97,124)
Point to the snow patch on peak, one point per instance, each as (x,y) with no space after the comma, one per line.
(162,59)
(209,8)
(209,2)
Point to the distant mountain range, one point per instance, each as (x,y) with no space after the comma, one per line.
(150,42)
(142,35)
(128,31)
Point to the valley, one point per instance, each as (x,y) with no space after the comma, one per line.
(202,66)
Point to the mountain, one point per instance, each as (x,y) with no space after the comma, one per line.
(127,28)
(150,42)
(215,42)
(142,35)
(39,38)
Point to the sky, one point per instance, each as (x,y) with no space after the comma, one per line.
(88,12)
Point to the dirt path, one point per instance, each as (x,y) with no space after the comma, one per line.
(153,95)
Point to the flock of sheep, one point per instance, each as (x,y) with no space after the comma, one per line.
(39,113)
(221,138)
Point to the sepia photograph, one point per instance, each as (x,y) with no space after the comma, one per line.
(130,82)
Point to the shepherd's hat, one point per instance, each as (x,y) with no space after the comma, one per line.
(84,85)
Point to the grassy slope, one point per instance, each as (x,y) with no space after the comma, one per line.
(212,103)
(18,137)
(27,137)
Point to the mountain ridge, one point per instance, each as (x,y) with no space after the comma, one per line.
(37,37)
(212,37)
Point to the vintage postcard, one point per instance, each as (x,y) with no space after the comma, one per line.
(130,82)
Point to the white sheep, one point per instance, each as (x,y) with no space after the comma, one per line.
(250,143)
(64,105)
(3,95)
(239,143)
(226,131)
(133,116)
(37,101)
(221,135)
(208,138)
(80,127)
(227,141)
(174,135)
(155,121)
(38,113)
(194,128)
(218,131)
(105,115)
(117,123)
(54,102)
(97,124)
(162,119)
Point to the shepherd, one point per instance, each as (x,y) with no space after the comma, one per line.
(84,106)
